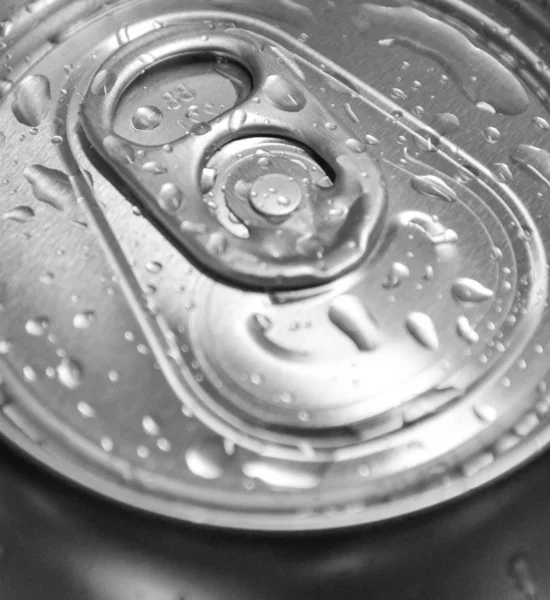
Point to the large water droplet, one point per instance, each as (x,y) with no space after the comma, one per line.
(534,160)
(19,214)
(50,186)
(147,118)
(284,94)
(397,273)
(170,197)
(466,331)
(207,458)
(70,373)
(431,185)
(279,475)
(423,330)
(480,76)
(32,100)
(470,290)
(354,320)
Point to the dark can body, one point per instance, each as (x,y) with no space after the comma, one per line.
(60,540)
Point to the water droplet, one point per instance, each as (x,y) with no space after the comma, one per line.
(49,186)
(208,458)
(154,267)
(147,118)
(85,410)
(154,168)
(278,475)
(433,186)
(466,331)
(446,123)
(503,173)
(122,35)
(423,330)
(150,426)
(355,146)
(30,374)
(170,197)
(283,94)
(83,320)
(398,94)
(107,444)
(353,319)
(32,100)
(237,120)
(263,322)
(534,160)
(470,290)
(491,134)
(541,123)
(371,140)
(5,87)
(485,412)
(70,373)
(37,326)
(200,128)
(521,573)
(57,140)
(19,214)
(5,27)
(398,272)
(479,76)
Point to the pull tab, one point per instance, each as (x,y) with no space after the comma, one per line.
(298,232)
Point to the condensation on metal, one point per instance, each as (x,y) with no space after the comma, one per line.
(277,277)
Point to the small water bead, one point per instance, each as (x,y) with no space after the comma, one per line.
(164,445)
(30,373)
(86,410)
(150,426)
(38,326)
(70,373)
(466,331)
(83,320)
(541,123)
(143,452)
(154,267)
(485,413)
(492,135)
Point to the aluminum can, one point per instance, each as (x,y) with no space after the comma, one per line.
(273,287)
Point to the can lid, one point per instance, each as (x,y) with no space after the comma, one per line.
(258,285)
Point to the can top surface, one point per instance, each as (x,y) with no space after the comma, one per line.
(274,265)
